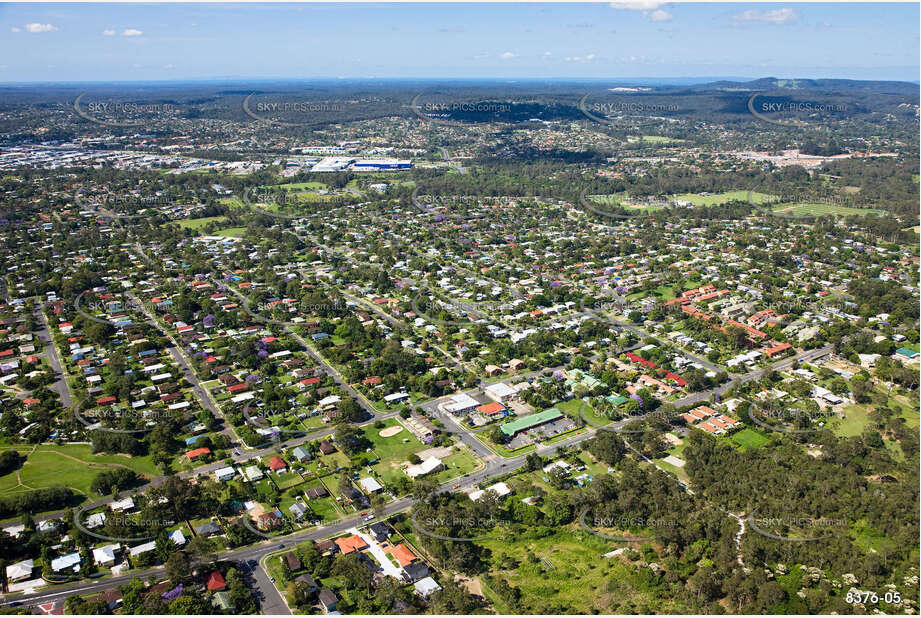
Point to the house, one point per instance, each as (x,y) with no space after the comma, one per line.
(301,454)
(493,409)
(326,447)
(430,465)
(65,562)
(351,543)
(316,492)
(426,587)
(222,601)
(492,370)
(225,474)
(20,571)
(292,561)
(208,529)
(112,598)
(121,506)
(327,547)
(516,365)
(328,600)
(269,520)
(278,465)
(298,510)
(906,354)
(500,489)
(500,392)
(402,554)
(416,571)
(142,549)
(177,538)
(380,531)
(106,555)
(199,452)
(215,582)
(253,473)
(308,581)
(370,485)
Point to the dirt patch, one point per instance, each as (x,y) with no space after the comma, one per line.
(470,584)
(390,431)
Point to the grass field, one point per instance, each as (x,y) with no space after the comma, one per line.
(749,438)
(571,408)
(724,198)
(812,210)
(198,224)
(622,201)
(231,232)
(71,466)
(298,186)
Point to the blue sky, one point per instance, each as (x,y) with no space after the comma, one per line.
(645,38)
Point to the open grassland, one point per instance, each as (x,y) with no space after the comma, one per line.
(716,199)
(564,573)
(816,210)
(72,465)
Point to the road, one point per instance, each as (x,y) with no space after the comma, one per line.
(189,373)
(60,384)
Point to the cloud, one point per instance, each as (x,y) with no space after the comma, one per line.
(650,9)
(108,32)
(587,58)
(508,55)
(15,29)
(37,27)
(638,5)
(777,17)
(131,32)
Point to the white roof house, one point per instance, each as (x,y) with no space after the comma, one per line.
(253,473)
(95,520)
(177,537)
(20,570)
(461,403)
(501,490)
(106,554)
(67,561)
(143,549)
(225,474)
(426,586)
(125,504)
(370,485)
(426,467)
(500,391)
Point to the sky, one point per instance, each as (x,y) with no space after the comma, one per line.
(634,39)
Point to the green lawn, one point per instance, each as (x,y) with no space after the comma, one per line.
(198,224)
(807,210)
(750,438)
(724,198)
(298,186)
(457,465)
(392,449)
(71,466)
(231,232)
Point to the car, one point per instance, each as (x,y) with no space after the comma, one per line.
(363,513)
(369,518)
(281,546)
(456,485)
(272,579)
